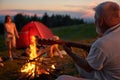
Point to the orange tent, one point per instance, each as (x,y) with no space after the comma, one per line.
(33,28)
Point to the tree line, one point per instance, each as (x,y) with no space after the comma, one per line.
(50,21)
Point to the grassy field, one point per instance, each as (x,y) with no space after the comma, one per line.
(78,33)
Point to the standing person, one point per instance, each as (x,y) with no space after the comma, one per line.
(10,36)
(103,60)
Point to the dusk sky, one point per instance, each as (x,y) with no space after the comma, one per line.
(75,8)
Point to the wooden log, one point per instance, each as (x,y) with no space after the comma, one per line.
(62,42)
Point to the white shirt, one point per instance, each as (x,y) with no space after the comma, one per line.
(104,55)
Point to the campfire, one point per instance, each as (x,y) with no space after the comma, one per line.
(38,66)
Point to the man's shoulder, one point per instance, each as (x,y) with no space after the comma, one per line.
(105,41)
(98,42)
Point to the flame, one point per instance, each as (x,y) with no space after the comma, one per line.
(30,67)
(33,48)
(35,67)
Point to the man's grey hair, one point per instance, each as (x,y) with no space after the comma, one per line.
(108,8)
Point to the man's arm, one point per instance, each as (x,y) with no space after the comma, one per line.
(81,62)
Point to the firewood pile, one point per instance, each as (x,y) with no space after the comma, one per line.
(45,69)
(37,66)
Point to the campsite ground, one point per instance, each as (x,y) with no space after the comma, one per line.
(84,33)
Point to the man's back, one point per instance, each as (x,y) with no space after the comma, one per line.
(106,56)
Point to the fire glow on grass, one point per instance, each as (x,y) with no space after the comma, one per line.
(30,67)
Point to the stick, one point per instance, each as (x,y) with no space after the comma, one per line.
(61,42)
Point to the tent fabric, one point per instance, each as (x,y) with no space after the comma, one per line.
(33,28)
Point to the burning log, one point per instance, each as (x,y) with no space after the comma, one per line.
(51,76)
(43,71)
(36,67)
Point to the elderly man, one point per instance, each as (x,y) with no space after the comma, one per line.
(103,60)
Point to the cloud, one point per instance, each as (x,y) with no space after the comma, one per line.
(80,6)
(86,10)
(6,12)
(14,12)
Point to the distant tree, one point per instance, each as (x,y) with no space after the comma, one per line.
(53,21)
(59,20)
(63,20)
(77,21)
(45,19)
(67,20)
(56,20)
(35,18)
(20,20)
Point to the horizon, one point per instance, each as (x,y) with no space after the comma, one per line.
(74,8)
